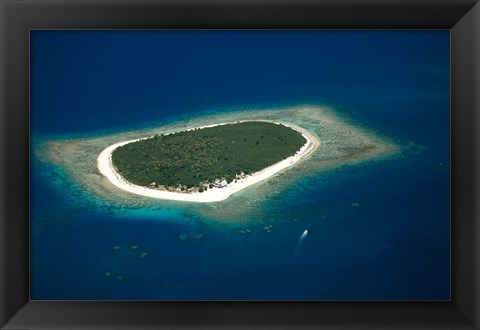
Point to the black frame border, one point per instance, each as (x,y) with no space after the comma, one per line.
(17,17)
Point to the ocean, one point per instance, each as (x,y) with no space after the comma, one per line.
(377,230)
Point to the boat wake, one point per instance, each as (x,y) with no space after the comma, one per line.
(298,248)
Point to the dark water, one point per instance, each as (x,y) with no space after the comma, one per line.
(378,230)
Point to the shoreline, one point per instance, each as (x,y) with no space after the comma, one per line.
(106,168)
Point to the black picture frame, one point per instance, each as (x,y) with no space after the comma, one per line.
(18,17)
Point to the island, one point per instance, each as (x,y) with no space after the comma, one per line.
(204,164)
(332,142)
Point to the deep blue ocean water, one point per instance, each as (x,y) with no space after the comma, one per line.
(394,246)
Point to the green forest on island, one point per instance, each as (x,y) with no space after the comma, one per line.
(196,158)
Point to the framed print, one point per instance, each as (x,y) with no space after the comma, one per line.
(239,165)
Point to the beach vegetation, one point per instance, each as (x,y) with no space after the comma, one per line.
(206,158)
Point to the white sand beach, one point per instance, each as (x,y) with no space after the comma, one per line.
(106,168)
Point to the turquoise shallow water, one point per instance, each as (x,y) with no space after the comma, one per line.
(376,231)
